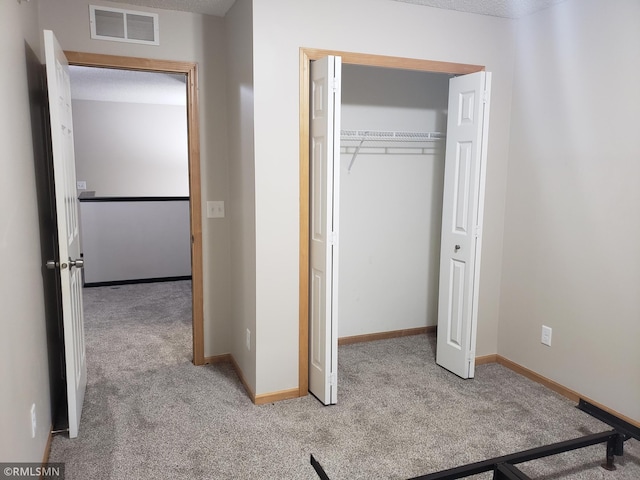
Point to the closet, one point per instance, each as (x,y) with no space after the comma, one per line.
(389,189)
(392,158)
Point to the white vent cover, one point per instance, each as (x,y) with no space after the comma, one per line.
(120,25)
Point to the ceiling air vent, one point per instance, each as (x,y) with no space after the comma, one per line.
(120,25)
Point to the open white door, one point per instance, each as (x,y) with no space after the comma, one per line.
(462,211)
(325,187)
(66,203)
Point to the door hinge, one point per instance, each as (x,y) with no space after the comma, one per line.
(477,231)
(485,96)
(333,238)
(333,379)
(334,84)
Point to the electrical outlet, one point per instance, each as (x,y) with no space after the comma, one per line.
(33,420)
(248,339)
(81,185)
(546,335)
(215,209)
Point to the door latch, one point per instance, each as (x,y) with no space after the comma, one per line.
(52,264)
(78,263)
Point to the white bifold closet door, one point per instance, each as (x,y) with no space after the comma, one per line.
(462,207)
(324,208)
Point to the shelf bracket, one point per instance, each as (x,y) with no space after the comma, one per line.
(355,154)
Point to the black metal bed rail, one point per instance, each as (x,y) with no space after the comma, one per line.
(622,426)
(523,456)
(318,468)
(504,466)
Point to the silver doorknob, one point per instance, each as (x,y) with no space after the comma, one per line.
(78,263)
(457,247)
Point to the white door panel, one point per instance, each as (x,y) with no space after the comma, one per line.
(325,169)
(463,200)
(66,203)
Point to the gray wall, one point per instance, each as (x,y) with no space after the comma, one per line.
(23,344)
(390,203)
(242,209)
(127,240)
(131,149)
(572,225)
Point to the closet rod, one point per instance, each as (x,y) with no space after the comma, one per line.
(386,136)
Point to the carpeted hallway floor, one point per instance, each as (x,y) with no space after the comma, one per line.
(150,414)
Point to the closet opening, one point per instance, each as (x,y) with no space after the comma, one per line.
(393,115)
(392,148)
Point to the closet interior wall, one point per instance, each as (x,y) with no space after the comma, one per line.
(390,201)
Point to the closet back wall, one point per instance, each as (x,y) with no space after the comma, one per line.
(390,204)
(131,149)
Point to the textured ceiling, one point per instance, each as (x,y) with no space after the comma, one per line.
(208,7)
(496,8)
(112,85)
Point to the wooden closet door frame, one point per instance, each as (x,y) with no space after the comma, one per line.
(348,58)
(190,69)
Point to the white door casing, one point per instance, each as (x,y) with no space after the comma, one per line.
(66,203)
(324,196)
(462,214)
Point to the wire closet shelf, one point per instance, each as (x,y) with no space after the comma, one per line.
(377,141)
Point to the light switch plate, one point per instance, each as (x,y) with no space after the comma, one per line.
(215,209)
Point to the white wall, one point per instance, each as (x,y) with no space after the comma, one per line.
(23,344)
(390,203)
(281,27)
(572,226)
(131,149)
(183,37)
(239,26)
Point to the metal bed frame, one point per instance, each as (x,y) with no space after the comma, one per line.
(504,467)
